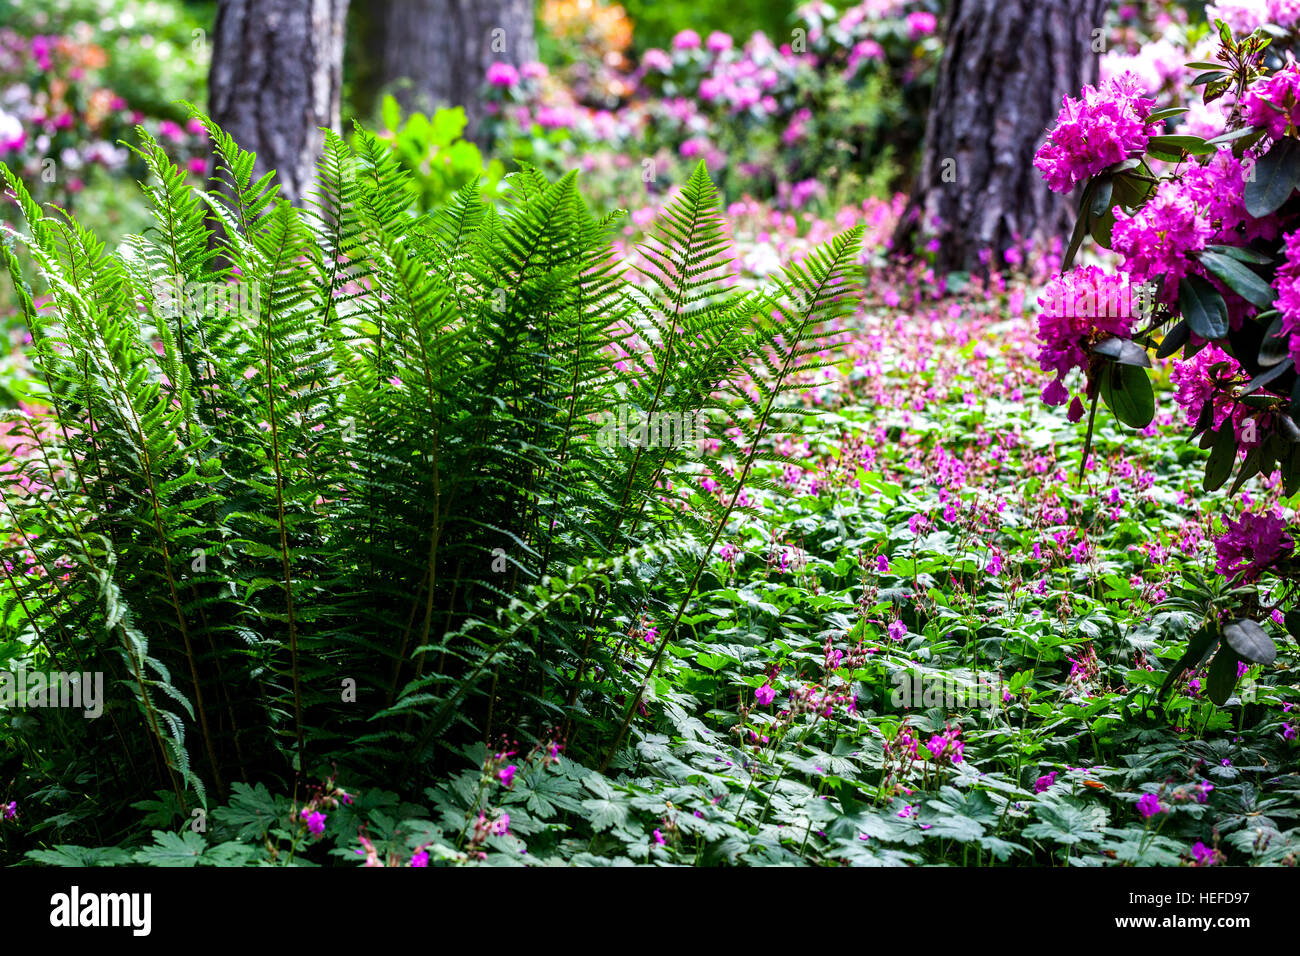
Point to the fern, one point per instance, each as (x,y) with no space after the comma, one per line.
(328,485)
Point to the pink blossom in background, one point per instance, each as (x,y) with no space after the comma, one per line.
(686,40)
(502,74)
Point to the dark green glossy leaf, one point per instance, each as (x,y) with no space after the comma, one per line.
(1250,641)
(1203,307)
(1223,676)
(1124,351)
(1239,278)
(1199,646)
(1174,339)
(1127,392)
(1276,174)
(1222,457)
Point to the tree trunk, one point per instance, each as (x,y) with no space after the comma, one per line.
(1006,65)
(436,52)
(277,70)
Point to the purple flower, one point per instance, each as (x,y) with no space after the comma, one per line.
(1272,103)
(507,775)
(1251,545)
(420,857)
(882,564)
(1045,781)
(11,810)
(1149,806)
(1202,854)
(686,40)
(765,695)
(502,74)
(659,838)
(920,24)
(719,42)
(501,825)
(1106,126)
(315,820)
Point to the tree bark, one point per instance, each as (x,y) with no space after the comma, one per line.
(1006,65)
(435,53)
(276,76)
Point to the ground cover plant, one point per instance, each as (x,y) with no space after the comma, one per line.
(455,518)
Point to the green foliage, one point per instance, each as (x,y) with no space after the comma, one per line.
(439,162)
(332,485)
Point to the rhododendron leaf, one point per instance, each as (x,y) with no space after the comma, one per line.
(1250,641)
(1204,420)
(1132,191)
(1288,429)
(1165,113)
(1233,135)
(1276,344)
(1124,165)
(1216,89)
(1222,457)
(1206,77)
(1126,390)
(1243,254)
(1263,378)
(1291,472)
(1124,351)
(1203,307)
(1099,205)
(1249,469)
(1240,279)
(1174,339)
(1199,646)
(1100,227)
(1223,676)
(1276,174)
(1173,147)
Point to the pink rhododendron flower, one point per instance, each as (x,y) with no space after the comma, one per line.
(1204,377)
(1156,240)
(1078,310)
(1251,545)
(502,74)
(686,40)
(1273,103)
(1106,126)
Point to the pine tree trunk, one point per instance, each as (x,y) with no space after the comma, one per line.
(276,75)
(436,52)
(1006,65)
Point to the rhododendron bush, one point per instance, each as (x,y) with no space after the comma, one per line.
(1204,235)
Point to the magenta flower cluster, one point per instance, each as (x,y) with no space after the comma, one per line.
(1251,545)
(1272,103)
(1106,126)
(1077,310)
